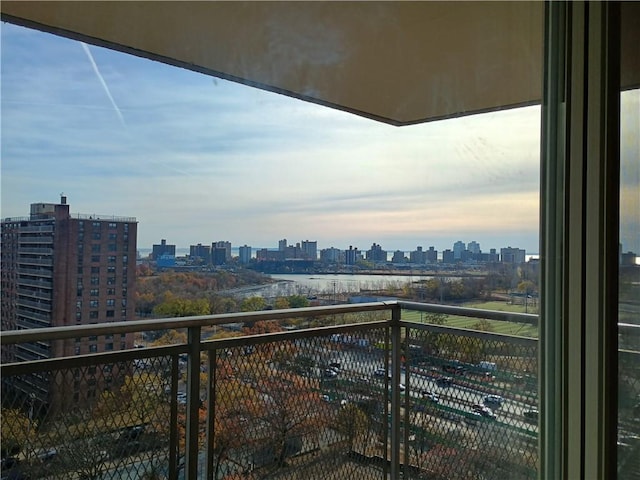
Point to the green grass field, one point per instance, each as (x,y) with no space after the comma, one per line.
(498,326)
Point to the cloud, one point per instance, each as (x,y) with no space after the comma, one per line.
(200,160)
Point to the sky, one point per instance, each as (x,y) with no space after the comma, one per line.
(198,159)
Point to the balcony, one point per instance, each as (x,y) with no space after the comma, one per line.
(356,392)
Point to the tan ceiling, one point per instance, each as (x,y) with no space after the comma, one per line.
(398,62)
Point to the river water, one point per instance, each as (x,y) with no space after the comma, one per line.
(319,284)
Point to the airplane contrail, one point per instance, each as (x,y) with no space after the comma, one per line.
(104,84)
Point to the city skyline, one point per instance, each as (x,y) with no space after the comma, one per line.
(194,157)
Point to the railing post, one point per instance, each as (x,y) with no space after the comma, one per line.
(395,391)
(211,415)
(193,403)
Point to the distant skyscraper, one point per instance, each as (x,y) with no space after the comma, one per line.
(244,254)
(57,270)
(418,256)
(162,249)
(512,255)
(398,257)
(282,244)
(432,255)
(376,253)
(331,255)
(226,246)
(351,255)
(200,253)
(473,247)
(310,249)
(448,256)
(458,248)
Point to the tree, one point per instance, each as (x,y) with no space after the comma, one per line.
(253,304)
(351,423)
(291,410)
(281,303)
(17,431)
(182,307)
(298,301)
(171,337)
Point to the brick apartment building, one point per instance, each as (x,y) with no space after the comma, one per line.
(60,269)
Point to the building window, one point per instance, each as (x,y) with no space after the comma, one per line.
(111,259)
(93,303)
(123,346)
(96,236)
(124,302)
(123,314)
(93,314)
(113,247)
(95,280)
(94,292)
(93,338)
(113,225)
(95,258)
(93,348)
(111,291)
(113,236)
(77,349)
(111,314)
(111,280)
(79,292)
(108,337)
(108,347)
(79,270)
(124,292)
(95,269)
(78,316)
(111,269)
(96,225)
(79,282)
(95,248)
(111,302)
(78,304)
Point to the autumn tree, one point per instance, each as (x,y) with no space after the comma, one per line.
(253,304)
(18,430)
(351,423)
(298,301)
(173,306)
(291,410)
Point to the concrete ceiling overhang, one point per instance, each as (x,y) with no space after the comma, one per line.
(397,62)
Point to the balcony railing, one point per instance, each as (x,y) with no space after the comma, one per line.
(349,391)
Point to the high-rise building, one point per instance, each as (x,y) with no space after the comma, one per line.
(376,253)
(162,249)
(60,269)
(332,255)
(244,254)
(473,247)
(512,255)
(351,255)
(458,248)
(418,256)
(200,253)
(226,246)
(310,250)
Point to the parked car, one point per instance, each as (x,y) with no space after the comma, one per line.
(530,416)
(430,396)
(330,373)
(483,410)
(381,372)
(444,381)
(494,401)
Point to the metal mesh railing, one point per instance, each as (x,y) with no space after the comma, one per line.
(350,392)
